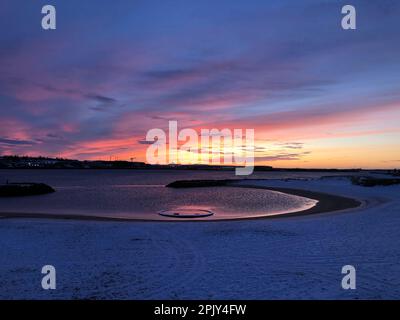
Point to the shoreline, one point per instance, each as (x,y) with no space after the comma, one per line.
(326,203)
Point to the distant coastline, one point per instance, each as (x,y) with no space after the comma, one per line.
(26,162)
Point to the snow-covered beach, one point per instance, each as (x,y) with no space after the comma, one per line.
(298,257)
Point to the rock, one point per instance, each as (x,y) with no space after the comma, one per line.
(372,182)
(198,183)
(24,189)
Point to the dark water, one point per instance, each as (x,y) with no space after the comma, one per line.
(141,194)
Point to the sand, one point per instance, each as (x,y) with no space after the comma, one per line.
(326,202)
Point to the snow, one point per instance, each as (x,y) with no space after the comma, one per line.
(296,258)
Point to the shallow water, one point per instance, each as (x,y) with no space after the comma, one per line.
(141,195)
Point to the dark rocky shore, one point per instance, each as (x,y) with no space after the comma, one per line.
(24,189)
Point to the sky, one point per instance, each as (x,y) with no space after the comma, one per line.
(316,95)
